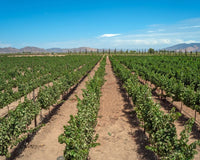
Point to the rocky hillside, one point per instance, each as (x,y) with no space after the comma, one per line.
(183,46)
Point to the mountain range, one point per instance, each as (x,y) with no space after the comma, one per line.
(42,50)
(192,47)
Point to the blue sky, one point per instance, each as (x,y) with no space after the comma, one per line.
(124,24)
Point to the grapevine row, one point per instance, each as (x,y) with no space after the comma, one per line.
(163,138)
(15,125)
(37,72)
(79,136)
(173,87)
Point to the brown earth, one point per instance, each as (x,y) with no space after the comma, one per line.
(120,136)
(45,145)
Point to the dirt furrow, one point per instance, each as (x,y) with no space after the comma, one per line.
(13,105)
(120,136)
(45,144)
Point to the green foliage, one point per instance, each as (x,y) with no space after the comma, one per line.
(151,51)
(28,73)
(16,123)
(163,138)
(14,127)
(177,76)
(79,134)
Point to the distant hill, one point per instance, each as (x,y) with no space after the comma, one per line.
(32,49)
(9,50)
(42,50)
(183,46)
(60,50)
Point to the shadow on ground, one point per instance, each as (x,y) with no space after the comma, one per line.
(138,133)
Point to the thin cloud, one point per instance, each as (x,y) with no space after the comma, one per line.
(191,41)
(109,35)
(158,30)
(154,25)
(150,31)
(154,36)
(187,27)
(144,41)
(195,26)
(3,45)
(161,30)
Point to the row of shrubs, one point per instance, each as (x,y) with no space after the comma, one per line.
(163,138)
(79,135)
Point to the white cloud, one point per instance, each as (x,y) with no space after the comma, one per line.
(2,45)
(188,27)
(150,31)
(155,36)
(143,41)
(155,25)
(195,26)
(120,42)
(109,35)
(161,30)
(158,30)
(191,21)
(191,41)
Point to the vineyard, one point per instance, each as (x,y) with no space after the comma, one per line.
(99,106)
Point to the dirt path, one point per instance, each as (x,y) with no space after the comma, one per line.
(45,145)
(119,133)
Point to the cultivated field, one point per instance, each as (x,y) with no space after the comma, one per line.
(100,107)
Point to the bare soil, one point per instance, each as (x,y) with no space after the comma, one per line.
(120,136)
(45,145)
